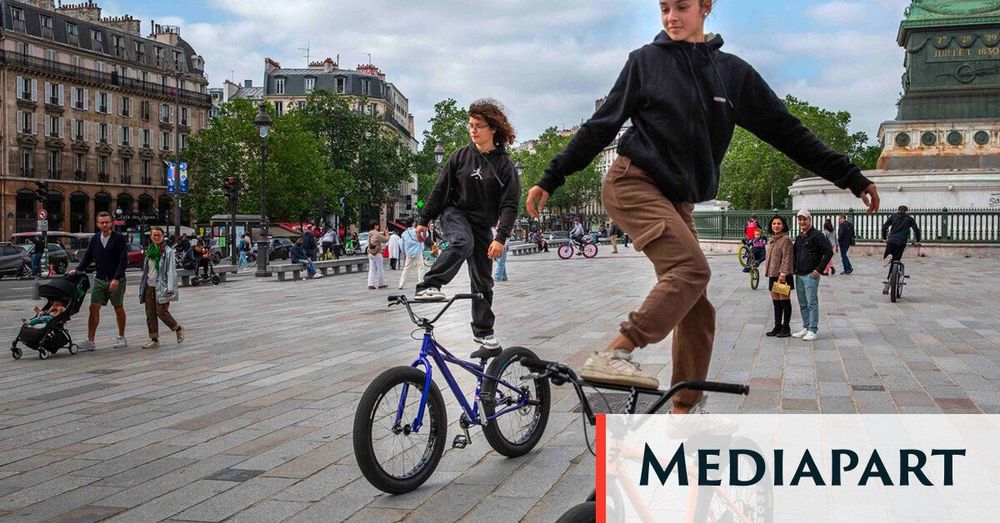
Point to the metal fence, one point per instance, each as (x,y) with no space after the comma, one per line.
(936,225)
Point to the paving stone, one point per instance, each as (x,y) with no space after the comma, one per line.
(269,511)
(234,500)
(174,502)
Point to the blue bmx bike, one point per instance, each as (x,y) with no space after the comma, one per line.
(401,425)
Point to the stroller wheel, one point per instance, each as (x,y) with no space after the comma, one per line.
(43,354)
(16,352)
(74,348)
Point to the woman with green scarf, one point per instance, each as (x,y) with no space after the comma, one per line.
(159,287)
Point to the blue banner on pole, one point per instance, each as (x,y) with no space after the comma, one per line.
(170,177)
(183,186)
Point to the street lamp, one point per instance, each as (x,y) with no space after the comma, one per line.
(118,215)
(263,123)
(519,167)
(439,153)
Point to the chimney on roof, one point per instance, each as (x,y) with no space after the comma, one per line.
(125,24)
(270,65)
(86,11)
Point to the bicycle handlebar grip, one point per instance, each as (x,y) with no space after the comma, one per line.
(715,386)
(534,363)
(395,297)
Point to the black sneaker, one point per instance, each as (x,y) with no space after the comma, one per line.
(785,332)
(773,332)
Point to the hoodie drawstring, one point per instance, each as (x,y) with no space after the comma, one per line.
(694,76)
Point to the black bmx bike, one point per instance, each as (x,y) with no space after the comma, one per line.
(897,278)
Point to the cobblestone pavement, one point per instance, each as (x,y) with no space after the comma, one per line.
(249,420)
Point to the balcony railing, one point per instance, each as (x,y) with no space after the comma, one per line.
(102,177)
(127,179)
(32,63)
(80,176)
(55,175)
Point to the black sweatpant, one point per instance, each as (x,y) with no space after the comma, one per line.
(467,243)
(895,249)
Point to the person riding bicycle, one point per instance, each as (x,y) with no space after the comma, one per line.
(758,249)
(684,97)
(477,188)
(896,232)
(576,234)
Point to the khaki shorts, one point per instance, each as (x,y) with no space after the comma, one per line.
(101,293)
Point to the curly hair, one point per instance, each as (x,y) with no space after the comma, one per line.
(492,112)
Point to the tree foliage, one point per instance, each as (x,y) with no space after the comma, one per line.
(580,189)
(449,127)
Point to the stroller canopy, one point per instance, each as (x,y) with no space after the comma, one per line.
(71,288)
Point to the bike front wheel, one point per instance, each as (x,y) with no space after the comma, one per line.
(744,254)
(894,280)
(394,455)
(515,432)
(565,251)
(754,278)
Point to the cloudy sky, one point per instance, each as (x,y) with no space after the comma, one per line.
(546,60)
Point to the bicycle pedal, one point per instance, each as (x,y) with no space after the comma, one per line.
(461,441)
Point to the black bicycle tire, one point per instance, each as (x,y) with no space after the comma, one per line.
(492,432)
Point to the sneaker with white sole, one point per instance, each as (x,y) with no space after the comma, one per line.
(151,345)
(317,276)
(617,368)
(683,425)
(180,335)
(887,260)
(120,342)
(87,345)
(800,334)
(430,295)
(490,342)
(810,336)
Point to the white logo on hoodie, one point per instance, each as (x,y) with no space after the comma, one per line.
(477,174)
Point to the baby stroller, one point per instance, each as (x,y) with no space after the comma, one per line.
(49,337)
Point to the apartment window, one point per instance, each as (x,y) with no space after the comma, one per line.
(78,126)
(102,165)
(145,172)
(158,56)
(54,126)
(17,14)
(126,170)
(165,141)
(279,108)
(310,84)
(373,109)
(119,44)
(23,49)
(140,53)
(26,122)
(102,103)
(103,134)
(26,88)
(184,115)
(144,76)
(165,113)
(46,23)
(79,98)
(51,55)
(366,87)
(145,139)
(125,131)
(81,163)
(184,141)
(126,106)
(96,35)
(99,65)
(27,162)
(279,86)
(144,109)
(341,85)
(55,164)
(76,61)
(177,59)
(53,93)
(72,30)
(300,105)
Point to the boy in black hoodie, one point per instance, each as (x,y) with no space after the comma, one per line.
(477,189)
(684,97)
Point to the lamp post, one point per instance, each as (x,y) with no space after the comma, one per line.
(263,123)
(438,153)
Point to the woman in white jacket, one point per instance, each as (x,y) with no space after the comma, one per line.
(395,246)
(158,287)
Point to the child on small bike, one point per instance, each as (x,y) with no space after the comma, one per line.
(758,248)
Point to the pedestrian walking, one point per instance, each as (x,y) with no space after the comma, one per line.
(395,248)
(831,237)
(780,270)
(108,251)
(477,188)
(376,262)
(812,252)
(663,169)
(414,249)
(245,248)
(845,240)
(36,255)
(615,231)
(158,287)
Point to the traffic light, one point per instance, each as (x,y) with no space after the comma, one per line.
(42,192)
(420,204)
(229,188)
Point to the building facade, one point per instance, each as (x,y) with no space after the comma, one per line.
(233,91)
(94,108)
(370,92)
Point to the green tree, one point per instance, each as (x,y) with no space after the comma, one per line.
(580,188)
(750,163)
(230,147)
(449,126)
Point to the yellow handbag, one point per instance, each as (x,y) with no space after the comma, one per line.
(781,288)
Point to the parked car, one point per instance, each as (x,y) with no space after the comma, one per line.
(75,243)
(277,248)
(14,261)
(135,255)
(58,256)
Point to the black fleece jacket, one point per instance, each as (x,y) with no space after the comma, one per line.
(684,100)
(484,186)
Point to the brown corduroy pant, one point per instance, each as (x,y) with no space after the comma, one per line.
(664,231)
(156,312)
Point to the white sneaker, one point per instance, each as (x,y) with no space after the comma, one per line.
(887,260)
(430,295)
(488,342)
(618,368)
(317,276)
(800,334)
(810,336)
(88,346)
(120,343)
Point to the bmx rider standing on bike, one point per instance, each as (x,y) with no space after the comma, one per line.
(477,189)
(684,97)
(896,232)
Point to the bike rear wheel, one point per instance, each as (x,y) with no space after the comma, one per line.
(589,250)
(565,251)
(900,281)
(393,456)
(585,512)
(516,432)
(894,280)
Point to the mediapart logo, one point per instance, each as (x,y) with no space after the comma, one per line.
(799,467)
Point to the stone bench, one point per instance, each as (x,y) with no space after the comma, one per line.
(346,265)
(222,270)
